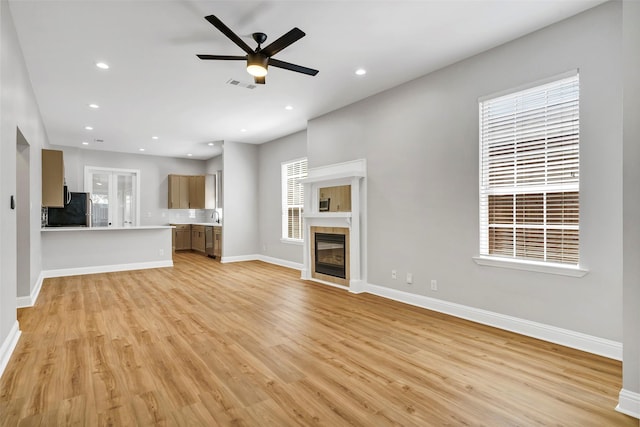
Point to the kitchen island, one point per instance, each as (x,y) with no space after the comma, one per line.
(68,251)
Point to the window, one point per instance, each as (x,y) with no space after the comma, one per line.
(529,173)
(113,195)
(293,199)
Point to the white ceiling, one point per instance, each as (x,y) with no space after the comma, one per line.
(157,87)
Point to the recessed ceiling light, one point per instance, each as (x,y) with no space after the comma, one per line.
(189,155)
(154,137)
(88,128)
(243,130)
(102,65)
(85,143)
(140,149)
(288,107)
(94,106)
(211,144)
(361,72)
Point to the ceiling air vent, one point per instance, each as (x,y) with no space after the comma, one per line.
(234,82)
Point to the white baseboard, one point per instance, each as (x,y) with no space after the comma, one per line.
(105,268)
(31,299)
(281,262)
(629,403)
(565,337)
(239,258)
(7,347)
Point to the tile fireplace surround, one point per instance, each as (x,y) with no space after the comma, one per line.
(351,173)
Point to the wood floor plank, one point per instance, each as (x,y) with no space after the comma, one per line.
(250,344)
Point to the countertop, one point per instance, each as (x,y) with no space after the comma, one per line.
(208,224)
(140,227)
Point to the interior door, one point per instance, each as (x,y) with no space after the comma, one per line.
(114,196)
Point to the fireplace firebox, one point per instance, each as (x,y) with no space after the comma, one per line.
(330,254)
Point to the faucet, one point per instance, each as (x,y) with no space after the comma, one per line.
(216,215)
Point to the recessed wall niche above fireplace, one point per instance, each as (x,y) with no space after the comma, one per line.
(334,220)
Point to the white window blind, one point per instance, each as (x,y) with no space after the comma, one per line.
(529,173)
(293,198)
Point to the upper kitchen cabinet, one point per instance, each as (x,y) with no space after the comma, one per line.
(52,179)
(178,192)
(192,192)
(196,192)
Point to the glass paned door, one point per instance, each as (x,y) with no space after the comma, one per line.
(100,197)
(114,196)
(125,215)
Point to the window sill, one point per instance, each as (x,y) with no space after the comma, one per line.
(292,241)
(563,270)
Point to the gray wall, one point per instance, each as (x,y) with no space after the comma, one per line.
(18,110)
(271,156)
(154,171)
(240,231)
(421,144)
(631,272)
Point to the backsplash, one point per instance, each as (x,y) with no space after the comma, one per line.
(191,215)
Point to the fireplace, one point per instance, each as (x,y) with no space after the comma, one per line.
(334,250)
(330,254)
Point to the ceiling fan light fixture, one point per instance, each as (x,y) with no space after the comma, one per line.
(257,64)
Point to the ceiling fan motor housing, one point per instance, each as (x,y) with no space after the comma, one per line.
(257,64)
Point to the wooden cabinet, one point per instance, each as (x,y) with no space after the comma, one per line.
(52,179)
(181,237)
(196,192)
(178,192)
(191,191)
(217,242)
(197,238)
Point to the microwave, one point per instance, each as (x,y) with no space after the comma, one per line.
(324,205)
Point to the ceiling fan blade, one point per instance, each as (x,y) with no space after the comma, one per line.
(284,41)
(292,67)
(213,20)
(223,57)
(259,80)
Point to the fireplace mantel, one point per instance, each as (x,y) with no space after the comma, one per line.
(351,173)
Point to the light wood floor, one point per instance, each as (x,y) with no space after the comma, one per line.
(249,344)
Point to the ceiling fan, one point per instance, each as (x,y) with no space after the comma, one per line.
(259,59)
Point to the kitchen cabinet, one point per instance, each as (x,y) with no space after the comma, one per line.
(196,192)
(178,192)
(198,238)
(52,179)
(181,237)
(191,191)
(217,242)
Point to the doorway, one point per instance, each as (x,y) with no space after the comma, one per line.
(23,217)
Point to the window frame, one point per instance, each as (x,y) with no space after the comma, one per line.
(284,177)
(517,189)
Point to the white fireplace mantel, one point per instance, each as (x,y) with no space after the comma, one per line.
(348,173)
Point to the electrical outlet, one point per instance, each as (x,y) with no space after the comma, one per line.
(434,285)
(409,278)
(394,274)
(161,252)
